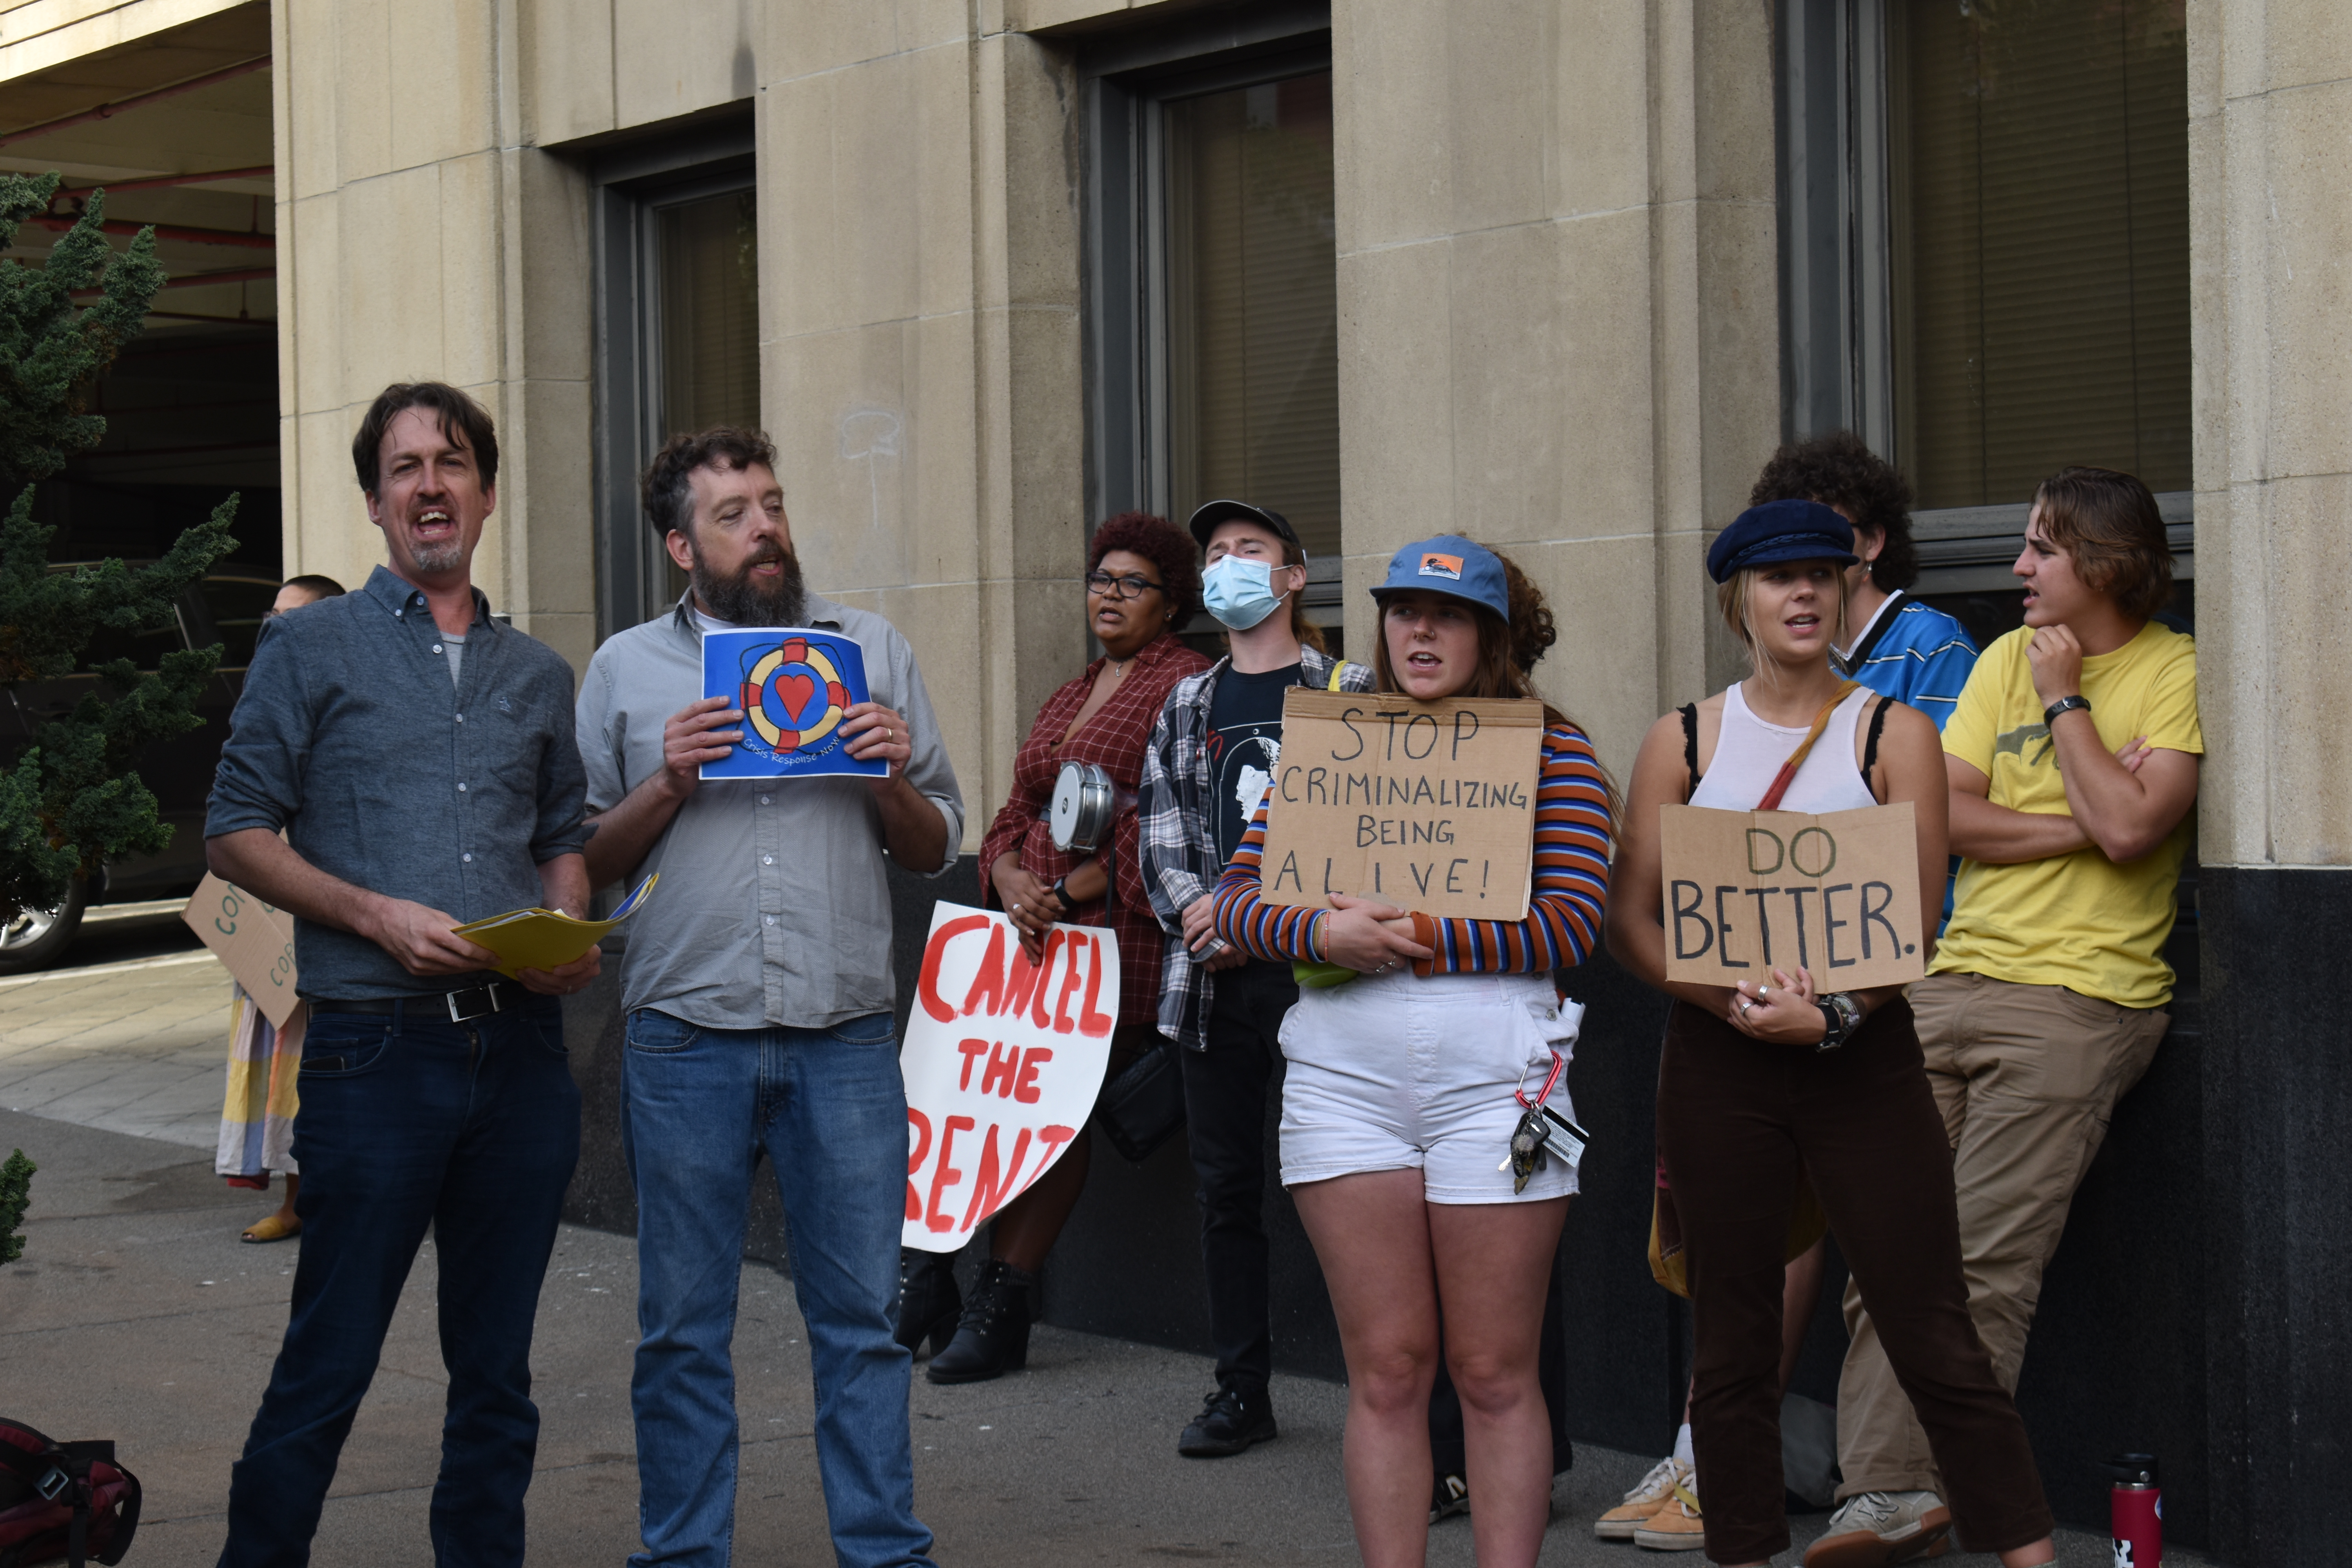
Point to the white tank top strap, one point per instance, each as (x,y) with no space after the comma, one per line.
(1749,751)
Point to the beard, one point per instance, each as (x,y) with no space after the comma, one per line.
(738,600)
(444,555)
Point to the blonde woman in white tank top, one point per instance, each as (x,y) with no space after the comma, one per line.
(1765,1084)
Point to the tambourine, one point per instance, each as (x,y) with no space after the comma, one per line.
(1087,801)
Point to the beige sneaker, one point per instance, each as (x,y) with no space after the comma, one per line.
(1656,1491)
(1679,1526)
(1872,1529)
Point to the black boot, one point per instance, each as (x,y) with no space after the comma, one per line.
(929,1301)
(994,1338)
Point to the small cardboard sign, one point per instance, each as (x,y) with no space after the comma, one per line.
(1838,895)
(254,941)
(793,685)
(1003,1061)
(1427,806)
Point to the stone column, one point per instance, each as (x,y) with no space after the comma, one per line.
(423,239)
(1558,299)
(2271,214)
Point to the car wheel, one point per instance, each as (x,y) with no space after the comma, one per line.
(36,939)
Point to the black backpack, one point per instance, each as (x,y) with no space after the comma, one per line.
(62,1503)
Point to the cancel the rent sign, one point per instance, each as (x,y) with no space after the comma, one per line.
(1427,806)
(1002,1061)
(1749,890)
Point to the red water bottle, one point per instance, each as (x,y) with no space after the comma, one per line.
(2138,1510)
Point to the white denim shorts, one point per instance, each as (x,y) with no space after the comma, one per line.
(1398,1073)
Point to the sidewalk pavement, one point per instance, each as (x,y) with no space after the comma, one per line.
(137,1314)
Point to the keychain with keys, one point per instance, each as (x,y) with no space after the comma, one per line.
(1527,1139)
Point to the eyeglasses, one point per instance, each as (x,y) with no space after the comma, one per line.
(1131,587)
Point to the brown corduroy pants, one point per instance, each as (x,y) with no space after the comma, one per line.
(1739,1123)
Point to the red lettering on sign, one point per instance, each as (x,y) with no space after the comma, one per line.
(915,1161)
(987,1191)
(1094,1025)
(1002,1063)
(928,989)
(944,1176)
(1024,1088)
(1053,939)
(1022,982)
(1049,1143)
(972,1050)
(989,981)
(1063,1021)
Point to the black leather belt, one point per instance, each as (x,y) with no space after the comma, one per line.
(471,1003)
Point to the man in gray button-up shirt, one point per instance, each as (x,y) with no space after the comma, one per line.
(758,985)
(415,793)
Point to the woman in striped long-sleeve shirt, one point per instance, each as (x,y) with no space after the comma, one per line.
(1401,1096)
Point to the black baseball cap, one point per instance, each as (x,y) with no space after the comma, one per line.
(1207,518)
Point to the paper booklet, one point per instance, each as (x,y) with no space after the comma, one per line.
(546,939)
(792,684)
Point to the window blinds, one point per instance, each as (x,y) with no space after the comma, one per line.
(1252,304)
(2041,241)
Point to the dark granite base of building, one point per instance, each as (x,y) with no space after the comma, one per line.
(2199,1240)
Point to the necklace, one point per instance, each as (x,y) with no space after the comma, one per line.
(1119,667)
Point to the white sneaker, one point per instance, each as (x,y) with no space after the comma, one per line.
(1655,1490)
(1871,1529)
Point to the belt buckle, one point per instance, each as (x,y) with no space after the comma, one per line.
(488,992)
(53,1485)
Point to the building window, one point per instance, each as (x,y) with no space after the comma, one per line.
(2039,168)
(1213,309)
(677,333)
(1984,254)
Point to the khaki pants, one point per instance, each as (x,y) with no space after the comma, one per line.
(2027,1078)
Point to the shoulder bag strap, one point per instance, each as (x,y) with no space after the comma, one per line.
(1787,774)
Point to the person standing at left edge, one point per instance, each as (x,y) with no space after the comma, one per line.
(757,991)
(419,758)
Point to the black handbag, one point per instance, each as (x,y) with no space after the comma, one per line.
(1143,1106)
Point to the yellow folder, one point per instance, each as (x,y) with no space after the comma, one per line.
(546,939)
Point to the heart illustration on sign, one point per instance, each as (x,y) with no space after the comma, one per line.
(802,696)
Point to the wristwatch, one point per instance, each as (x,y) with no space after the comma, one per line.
(2063,705)
(1061,891)
(1840,1017)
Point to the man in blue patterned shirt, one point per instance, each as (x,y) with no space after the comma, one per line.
(1891,642)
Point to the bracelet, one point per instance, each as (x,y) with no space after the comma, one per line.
(2063,705)
(1318,925)
(1061,891)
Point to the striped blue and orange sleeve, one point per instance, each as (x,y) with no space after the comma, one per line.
(1569,895)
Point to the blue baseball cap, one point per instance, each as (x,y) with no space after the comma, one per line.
(1781,531)
(1451,565)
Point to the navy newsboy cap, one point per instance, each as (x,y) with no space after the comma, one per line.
(1781,531)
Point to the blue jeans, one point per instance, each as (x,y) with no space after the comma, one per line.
(409,1121)
(829,1107)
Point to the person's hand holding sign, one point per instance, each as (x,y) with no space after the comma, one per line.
(692,737)
(877,733)
(1368,936)
(1783,1013)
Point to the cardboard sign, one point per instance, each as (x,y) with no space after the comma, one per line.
(254,941)
(1838,895)
(792,685)
(1428,805)
(1002,1061)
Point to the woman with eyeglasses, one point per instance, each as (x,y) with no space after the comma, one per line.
(1141,588)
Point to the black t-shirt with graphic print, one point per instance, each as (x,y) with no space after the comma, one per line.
(1244,741)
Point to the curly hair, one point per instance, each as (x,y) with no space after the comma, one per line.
(667,490)
(1840,470)
(1162,544)
(2109,523)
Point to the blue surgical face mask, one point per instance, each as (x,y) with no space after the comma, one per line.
(1239,592)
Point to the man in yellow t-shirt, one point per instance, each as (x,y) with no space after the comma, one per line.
(2073,754)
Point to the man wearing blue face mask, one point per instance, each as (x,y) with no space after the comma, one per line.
(1211,756)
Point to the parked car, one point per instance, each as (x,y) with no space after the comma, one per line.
(226,608)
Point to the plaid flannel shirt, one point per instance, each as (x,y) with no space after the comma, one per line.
(1178,824)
